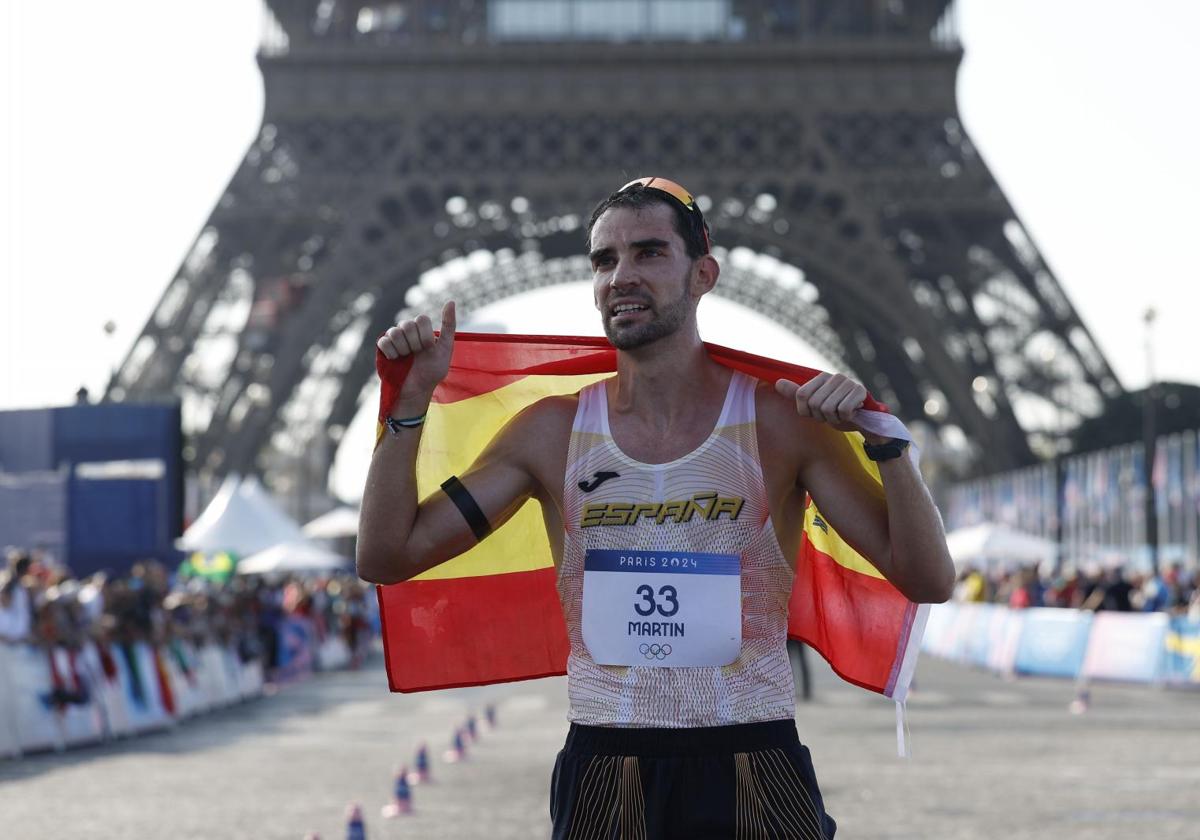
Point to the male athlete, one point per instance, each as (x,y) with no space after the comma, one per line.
(707,746)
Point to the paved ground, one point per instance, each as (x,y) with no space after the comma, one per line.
(991,759)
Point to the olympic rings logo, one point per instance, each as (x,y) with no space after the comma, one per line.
(655,651)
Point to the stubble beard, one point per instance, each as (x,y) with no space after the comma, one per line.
(667,322)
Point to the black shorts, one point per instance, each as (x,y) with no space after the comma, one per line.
(751,781)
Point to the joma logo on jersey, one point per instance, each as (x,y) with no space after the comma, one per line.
(708,506)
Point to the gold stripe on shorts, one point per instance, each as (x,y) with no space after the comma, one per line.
(772,801)
(610,796)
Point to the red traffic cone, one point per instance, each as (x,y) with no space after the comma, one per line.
(401,803)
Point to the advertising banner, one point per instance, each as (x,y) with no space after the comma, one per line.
(978,640)
(1126,646)
(1005,635)
(960,632)
(1181,665)
(1053,642)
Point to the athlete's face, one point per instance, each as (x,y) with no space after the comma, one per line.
(646,286)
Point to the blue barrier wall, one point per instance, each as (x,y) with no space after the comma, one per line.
(1132,647)
(1053,642)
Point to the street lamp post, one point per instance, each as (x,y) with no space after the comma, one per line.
(1149,444)
(110,329)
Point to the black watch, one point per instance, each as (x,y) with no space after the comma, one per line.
(886,451)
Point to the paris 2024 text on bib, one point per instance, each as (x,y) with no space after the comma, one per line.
(662,608)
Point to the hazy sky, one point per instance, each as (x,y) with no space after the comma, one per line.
(124,121)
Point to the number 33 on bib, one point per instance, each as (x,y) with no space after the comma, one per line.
(662,608)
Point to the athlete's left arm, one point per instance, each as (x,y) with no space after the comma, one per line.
(897,526)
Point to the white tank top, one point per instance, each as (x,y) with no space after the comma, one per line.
(757,686)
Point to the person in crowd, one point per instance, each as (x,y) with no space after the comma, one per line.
(1113,592)
(1024,588)
(972,586)
(16,600)
(1062,589)
(1025,591)
(268,605)
(1177,583)
(16,628)
(352,620)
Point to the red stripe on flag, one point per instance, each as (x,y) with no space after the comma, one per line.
(473,631)
(484,362)
(851,614)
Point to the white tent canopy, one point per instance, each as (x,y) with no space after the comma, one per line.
(339,522)
(1000,545)
(243,519)
(296,556)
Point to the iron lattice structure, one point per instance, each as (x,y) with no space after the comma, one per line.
(413,151)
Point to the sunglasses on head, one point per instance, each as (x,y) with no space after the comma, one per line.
(677,192)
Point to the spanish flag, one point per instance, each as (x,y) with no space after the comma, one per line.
(492,614)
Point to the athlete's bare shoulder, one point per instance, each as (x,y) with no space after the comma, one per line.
(786,440)
(551,415)
(539,434)
(780,425)
(770,405)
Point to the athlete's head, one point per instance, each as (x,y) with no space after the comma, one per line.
(646,192)
(649,248)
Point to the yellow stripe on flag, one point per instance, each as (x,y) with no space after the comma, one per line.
(455,433)
(828,541)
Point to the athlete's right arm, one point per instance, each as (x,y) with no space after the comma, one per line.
(399,537)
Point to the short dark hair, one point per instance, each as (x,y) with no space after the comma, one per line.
(690,226)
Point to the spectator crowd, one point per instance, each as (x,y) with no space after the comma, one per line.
(1173,589)
(44,605)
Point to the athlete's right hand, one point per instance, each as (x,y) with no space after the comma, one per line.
(431,354)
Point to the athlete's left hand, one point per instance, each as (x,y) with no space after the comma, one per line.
(829,398)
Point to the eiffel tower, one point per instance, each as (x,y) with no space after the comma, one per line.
(413,151)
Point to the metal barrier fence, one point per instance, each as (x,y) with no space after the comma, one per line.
(56,698)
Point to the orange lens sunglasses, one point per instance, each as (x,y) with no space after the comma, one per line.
(677,192)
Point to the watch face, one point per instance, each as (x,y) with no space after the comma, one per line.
(886,451)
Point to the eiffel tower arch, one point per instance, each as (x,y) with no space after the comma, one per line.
(413,151)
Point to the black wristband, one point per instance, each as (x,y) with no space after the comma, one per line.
(887,450)
(467,506)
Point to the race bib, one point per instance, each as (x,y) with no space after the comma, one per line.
(662,608)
